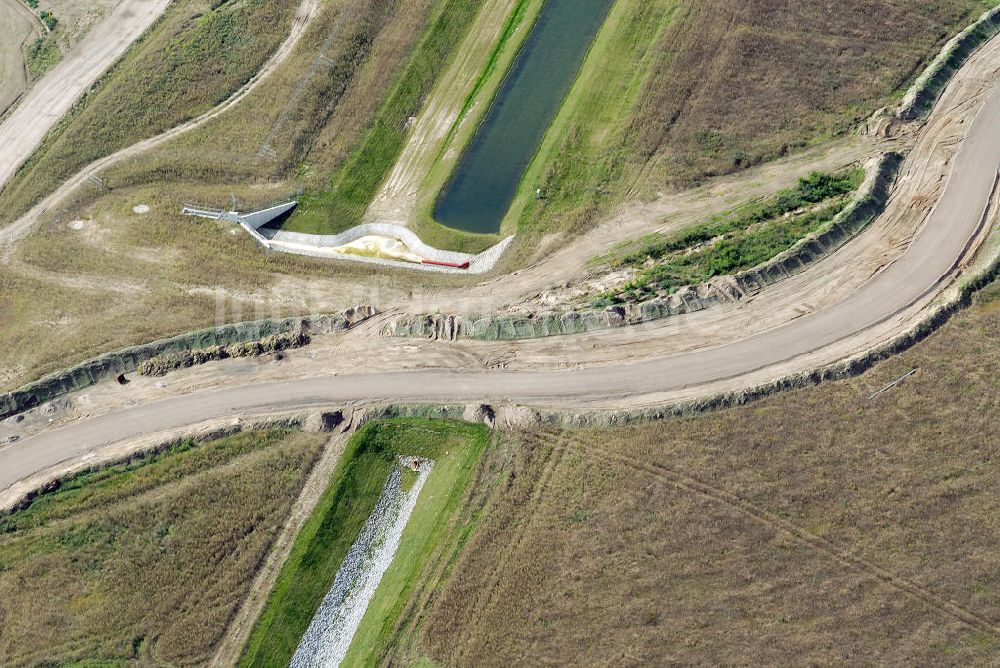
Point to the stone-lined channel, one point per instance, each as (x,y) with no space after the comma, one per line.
(488,174)
(329,635)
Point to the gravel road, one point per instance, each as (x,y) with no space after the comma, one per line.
(52,97)
(921,270)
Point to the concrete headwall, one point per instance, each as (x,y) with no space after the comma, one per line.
(322,245)
(109,365)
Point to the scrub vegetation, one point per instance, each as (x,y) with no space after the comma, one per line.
(41,55)
(752,535)
(146,561)
(342,511)
(741,240)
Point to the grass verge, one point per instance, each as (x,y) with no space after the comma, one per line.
(146,560)
(339,516)
(740,241)
(431,536)
(42,55)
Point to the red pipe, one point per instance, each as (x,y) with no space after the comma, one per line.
(453,265)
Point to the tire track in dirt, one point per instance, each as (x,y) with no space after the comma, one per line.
(843,556)
(487,595)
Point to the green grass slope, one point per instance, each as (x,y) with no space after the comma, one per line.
(339,516)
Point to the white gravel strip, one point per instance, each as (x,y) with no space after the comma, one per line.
(329,635)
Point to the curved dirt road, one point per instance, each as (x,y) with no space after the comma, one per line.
(928,264)
(56,92)
(304,15)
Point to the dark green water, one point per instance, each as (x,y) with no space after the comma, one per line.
(487,176)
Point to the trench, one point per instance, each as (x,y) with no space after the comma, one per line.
(480,191)
(328,638)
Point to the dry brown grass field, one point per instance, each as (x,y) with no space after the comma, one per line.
(145,563)
(736,83)
(697,88)
(815,527)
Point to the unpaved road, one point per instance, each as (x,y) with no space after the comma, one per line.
(865,293)
(928,263)
(20,26)
(52,97)
(306,13)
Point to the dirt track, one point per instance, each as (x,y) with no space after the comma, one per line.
(306,13)
(870,290)
(52,97)
(889,299)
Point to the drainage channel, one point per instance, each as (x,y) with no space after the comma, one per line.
(487,176)
(328,638)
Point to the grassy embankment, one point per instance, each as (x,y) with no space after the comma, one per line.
(719,87)
(580,165)
(191,60)
(44,52)
(439,160)
(147,560)
(753,535)
(147,274)
(743,239)
(342,204)
(346,505)
(309,113)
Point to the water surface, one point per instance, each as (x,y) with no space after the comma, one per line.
(487,176)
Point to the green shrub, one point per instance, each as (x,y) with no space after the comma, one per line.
(730,244)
